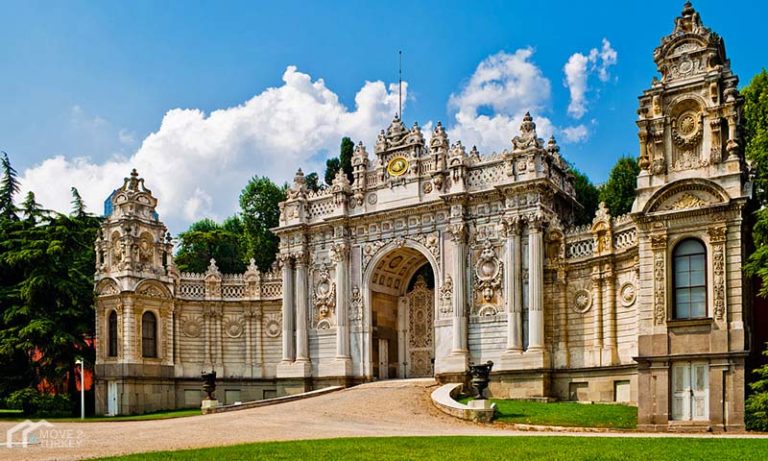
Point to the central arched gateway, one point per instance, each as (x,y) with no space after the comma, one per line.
(399,332)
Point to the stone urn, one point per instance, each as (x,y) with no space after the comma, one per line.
(209,384)
(480,377)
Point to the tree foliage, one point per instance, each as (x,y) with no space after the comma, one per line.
(312,181)
(342,162)
(756,406)
(206,240)
(618,192)
(46,294)
(755,118)
(9,186)
(587,195)
(755,126)
(332,166)
(260,212)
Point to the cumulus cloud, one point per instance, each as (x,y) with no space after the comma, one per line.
(578,133)
(197,163)
(577,71)
(490,106)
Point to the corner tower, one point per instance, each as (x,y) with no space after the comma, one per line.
(691,198)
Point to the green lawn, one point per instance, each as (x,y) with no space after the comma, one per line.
(6,415)
(565,414)
(480,448)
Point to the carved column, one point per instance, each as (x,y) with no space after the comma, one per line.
(248,315)
(340,255)
(208,319)
(610,333)
(514,288)
(302,347)
(536,286)
(220,335)
(562,285)
(659,248)
(288,345)
(129,331)
(597,307)
(717,237)
(459,344)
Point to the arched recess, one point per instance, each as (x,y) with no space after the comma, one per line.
(386,281)
(152,289)
(686,194)
(107,287)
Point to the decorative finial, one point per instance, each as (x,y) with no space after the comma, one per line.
(134,173)
(688,9)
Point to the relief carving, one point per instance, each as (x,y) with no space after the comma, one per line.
(488,276)
(324,296)
(356,305)
(273,325)
(659,292)
(718,266)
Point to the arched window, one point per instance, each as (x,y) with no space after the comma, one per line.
(690,279)
(148,335)
(112,335)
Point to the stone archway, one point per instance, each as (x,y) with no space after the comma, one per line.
(401,321)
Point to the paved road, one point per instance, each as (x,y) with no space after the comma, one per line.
(389,408)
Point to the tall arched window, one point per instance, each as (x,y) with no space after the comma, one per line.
(112,334)
(690,279)
(148,335)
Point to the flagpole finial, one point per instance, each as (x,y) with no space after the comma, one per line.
(400,85)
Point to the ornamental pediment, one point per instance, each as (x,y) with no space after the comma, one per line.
(687,195)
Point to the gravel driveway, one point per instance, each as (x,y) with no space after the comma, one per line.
(388,408)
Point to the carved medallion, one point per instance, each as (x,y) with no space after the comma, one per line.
(627,294)
(397,166)
(233,327)
(273,325)
(582,301)
(192,326)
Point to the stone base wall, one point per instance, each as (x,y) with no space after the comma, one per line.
(614,384)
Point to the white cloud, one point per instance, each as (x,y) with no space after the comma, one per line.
(506,85)
(578,133)
(126,137)
(197,163)
(577,71)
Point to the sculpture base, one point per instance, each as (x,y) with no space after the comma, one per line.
(480,404)
(209,406)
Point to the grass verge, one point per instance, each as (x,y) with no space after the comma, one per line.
(571,414)
(529,448)
(16,415)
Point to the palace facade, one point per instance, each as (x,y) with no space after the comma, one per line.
(433,257)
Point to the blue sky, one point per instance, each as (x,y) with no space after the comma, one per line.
(91,88)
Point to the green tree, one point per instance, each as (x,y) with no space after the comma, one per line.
(587,195)
(342,162)
(755,118)
(313,181)
(46,299)
(618,192)
(78,205)
(755,129)
(9,186)
(260,212)
(756,406)
(332,166)
(32,210)
(206,240)
(346,150)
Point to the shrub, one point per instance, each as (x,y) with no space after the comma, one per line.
(33,403)
(756,406)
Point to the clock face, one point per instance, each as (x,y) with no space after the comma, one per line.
(397,166)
